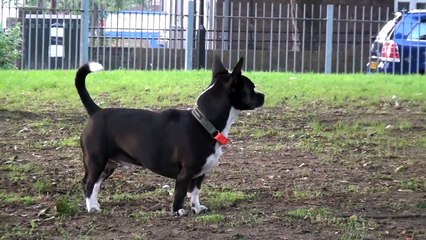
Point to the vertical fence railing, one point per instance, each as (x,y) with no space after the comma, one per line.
(270,36)
(189,36)
(84,47)
(329,39)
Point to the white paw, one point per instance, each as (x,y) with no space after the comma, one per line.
(93,206)
(94,209)
(180,213)
(199,209)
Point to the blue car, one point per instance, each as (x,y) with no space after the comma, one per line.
(400,46)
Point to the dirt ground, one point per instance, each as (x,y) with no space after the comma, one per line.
(294,181)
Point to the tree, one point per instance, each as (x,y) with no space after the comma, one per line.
(10,40)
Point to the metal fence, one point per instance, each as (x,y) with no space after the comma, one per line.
(171,35)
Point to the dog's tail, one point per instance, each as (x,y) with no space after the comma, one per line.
(80,84)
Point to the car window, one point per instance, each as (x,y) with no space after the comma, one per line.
(405,27)
(418,32)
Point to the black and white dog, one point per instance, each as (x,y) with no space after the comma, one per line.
(180,144)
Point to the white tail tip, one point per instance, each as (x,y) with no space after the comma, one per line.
(95,67)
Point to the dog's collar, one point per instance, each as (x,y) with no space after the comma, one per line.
(220,138)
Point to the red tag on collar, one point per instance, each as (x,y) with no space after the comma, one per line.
(220,138)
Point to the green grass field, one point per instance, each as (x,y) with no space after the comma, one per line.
(45,90)
(327,157)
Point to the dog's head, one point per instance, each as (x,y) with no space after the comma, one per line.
(236,88)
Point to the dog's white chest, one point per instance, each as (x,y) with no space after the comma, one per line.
(212,160)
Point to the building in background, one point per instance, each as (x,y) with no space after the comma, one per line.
(409,4)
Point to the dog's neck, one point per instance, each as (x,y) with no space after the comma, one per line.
(208,125)
(217,110)
(213,107)
(233,114)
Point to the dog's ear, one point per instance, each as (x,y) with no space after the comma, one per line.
(235,78)
(238,67)
(218,67)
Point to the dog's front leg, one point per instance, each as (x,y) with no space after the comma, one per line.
(194,195)
(182,182)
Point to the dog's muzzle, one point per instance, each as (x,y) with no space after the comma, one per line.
(259,100)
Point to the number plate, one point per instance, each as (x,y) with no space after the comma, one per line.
(373,65)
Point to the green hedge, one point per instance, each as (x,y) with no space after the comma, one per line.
(10,41)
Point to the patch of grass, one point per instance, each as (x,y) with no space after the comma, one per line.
(279,194)
(385,177)
(223,199)
(118,197)
(19,231)
(353,141)
(251,217)
(306,194)
(316,126)
(422,142)
(303,192)
(73,141)
(17,177)
(18,172)
(264,133)
(143,236)
(33,224)
(273,147)
(405,125)
(28,200)
(413,184)
(8,198)
(353,227)
(210,218)
(158,192)
(43,186)
(18,168)
(304,173)
(66,207)
(421,205)
(308,213)
(42,90)
(146,216)
(86,231)
(65,234)
(42,126)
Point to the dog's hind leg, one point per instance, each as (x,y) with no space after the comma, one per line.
(109,169)
(194,195)
(95,166)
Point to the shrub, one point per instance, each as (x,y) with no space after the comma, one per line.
(10,41)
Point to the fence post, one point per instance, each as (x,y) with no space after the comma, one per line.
(189,36)
(225,25)
(84,43)
(329,39)
(201,39)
